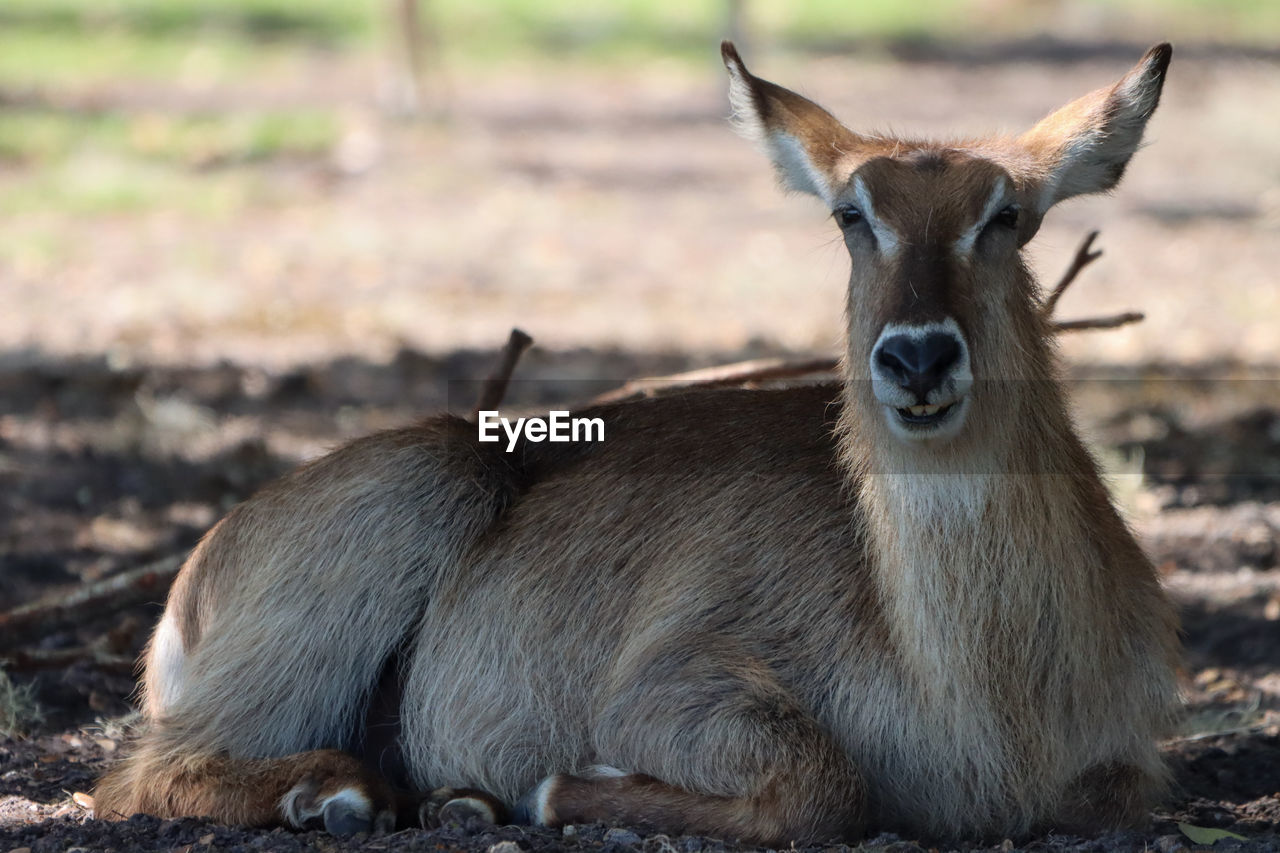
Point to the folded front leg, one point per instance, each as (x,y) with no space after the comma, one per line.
(715,749)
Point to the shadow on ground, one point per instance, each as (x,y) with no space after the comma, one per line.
(103,468)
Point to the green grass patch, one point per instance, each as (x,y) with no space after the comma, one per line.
(1247,21)
(58,43)
(314,20)
(92,42)
(834,20)
(42,137)
(624,30)
(237,138)
(91,185)
(108,163)
(44,59)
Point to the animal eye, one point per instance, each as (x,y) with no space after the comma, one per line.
(1008,217)
(848,215)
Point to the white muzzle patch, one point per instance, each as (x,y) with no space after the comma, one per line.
(940,412)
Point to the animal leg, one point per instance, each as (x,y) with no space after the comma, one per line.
(467,807)
(727,753)
(324,787)
(1112,795)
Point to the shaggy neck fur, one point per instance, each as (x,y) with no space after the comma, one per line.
(994,590)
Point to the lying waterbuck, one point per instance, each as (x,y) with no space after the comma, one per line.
(903,602)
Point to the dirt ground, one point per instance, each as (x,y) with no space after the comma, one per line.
(161,365)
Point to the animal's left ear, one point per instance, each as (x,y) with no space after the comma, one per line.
(1085,146)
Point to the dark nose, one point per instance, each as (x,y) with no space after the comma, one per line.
(919,364)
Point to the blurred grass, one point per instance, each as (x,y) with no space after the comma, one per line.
(44,136)
(91,185)
(34,57)
(56,55)
(62,151)
(312,19)
(43,41)
(101,163)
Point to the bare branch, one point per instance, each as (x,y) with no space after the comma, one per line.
(136,586)
(1083,258)
(1113,321)
(495,387)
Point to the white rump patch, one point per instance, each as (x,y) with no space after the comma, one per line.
(886,237)
(165,664)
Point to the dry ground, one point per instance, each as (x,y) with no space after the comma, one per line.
(612,207)
(157,365)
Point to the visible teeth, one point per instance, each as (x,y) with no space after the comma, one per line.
(921,411)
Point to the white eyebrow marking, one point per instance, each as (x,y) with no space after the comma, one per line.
(964,243)
(885,236)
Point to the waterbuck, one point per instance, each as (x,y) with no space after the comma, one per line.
(904,601)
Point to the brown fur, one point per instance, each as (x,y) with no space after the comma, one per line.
(779,618)
(240,791)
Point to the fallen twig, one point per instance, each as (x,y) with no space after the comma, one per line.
(738,373)
(136,586)
(1256,728)
(495,387)
(18,660)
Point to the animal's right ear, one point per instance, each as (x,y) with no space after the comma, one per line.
(809,147)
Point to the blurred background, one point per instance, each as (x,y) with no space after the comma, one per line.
(273,182)
(235,233)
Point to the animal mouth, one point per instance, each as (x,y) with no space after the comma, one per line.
(926,415)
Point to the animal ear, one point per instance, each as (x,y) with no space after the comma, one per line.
(1085,146)
(807,145)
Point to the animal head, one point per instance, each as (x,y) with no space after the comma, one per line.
(939,295)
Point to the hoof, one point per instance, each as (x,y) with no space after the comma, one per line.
(347,815)
(471,813)
(473,810)
(343,813)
